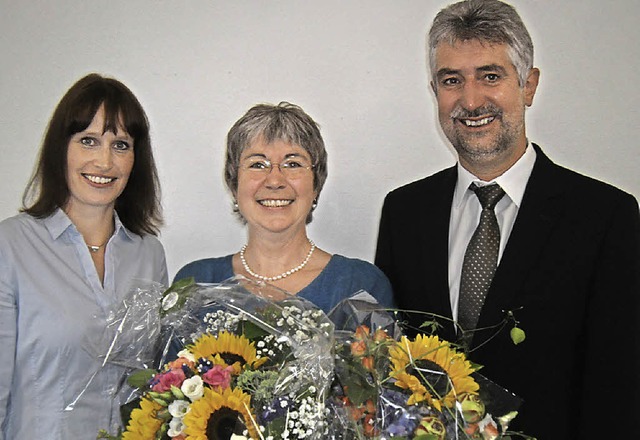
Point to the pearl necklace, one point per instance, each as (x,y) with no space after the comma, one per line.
(282,275)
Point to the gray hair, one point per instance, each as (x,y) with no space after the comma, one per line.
(283,122)
(490,21)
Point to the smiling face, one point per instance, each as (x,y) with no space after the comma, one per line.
(98,165)
(481,105)
(270,200)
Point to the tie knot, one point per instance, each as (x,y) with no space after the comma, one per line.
(488,195)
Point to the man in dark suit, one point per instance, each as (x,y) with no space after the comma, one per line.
(566,262)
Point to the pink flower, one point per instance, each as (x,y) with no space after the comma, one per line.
(165,380)
(218,376)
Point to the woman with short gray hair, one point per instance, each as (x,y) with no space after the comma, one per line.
(276,166)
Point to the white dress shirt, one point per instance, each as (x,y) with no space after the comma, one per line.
(466,209)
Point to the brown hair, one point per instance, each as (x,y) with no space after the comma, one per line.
(138,206)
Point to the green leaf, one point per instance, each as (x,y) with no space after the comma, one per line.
(102,434)
(160,401)
(433,326)
(475,366)
(517,335)
(276,425)
(252,331)
(358,385)
(359,390)
(140,378)
(181,290)
(180,284)
(177,392)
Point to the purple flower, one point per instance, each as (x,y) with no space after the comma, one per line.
(278,408)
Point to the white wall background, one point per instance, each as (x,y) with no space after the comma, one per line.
(357,67)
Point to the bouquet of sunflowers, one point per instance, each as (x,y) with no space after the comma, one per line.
(239,360)
(391,386)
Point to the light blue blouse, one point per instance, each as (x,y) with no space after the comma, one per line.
(51,303)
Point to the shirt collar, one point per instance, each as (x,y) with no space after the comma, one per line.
(513,181)
(58,222)
(120,227)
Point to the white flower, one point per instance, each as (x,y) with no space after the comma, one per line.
(193,388)
(238,437)
(299,336)
(187,355)
(179,408)
(175,427)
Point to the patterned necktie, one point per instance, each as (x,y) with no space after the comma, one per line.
(480,259)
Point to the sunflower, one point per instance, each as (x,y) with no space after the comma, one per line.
(220,414)
(143,424)
(227,349)
(432,370)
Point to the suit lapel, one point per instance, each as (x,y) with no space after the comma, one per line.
(435,243)
(540,209)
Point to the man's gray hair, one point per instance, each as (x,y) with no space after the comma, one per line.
(489,21)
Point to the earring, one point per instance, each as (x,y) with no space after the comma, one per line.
(235,205)
(314,205)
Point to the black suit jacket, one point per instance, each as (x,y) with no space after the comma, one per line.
(570,272)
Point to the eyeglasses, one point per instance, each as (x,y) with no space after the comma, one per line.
(291,168)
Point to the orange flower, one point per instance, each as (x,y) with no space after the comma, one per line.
(369,425)
(368,362)
(370,406)
(471,429)
(362,333)
(357,412)
(490,431)
(358,348)
(178,363)
(380,335)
